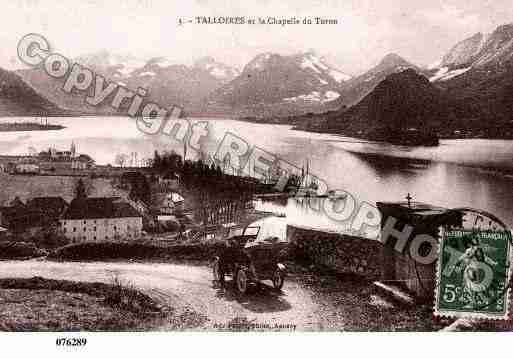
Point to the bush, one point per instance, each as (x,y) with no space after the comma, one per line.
(49,239)
(171,226)
(136,251)
(19,250)
(125,296)
(162,226)
(53,241)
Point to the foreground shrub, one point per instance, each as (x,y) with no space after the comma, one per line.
(44,239)
(137,251)
(51,241)
(19,250)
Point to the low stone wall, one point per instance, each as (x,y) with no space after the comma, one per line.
(335,251)
(365,257)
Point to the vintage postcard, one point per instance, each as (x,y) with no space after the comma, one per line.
(260,167)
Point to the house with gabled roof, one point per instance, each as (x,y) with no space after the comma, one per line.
(101,218)
(53,207)
(37,214)
(22,220)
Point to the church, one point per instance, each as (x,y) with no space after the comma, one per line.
(52,159)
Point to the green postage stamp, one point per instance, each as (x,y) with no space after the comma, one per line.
(473,274)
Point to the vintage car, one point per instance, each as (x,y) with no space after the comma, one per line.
(251,256)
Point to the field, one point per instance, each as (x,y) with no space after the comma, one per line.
(38,304)
(67,312)
(27,187)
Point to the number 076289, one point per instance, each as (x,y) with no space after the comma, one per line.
(71,342)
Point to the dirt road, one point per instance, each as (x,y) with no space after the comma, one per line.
(186,286)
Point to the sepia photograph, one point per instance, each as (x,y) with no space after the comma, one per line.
(279,167)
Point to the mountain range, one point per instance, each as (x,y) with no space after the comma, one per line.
(168,84)
(301,80)
(296,83)
(465,93)
(19,99)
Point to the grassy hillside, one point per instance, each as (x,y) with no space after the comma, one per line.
(37,186)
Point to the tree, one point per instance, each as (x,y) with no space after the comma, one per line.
(121,159)
(80,190)
(16,202)
(157,161)
(140,188)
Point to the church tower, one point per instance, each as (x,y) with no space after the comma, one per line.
(73,150)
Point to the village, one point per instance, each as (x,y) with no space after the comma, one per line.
(116,203)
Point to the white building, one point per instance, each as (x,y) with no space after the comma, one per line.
(173,201)
(95,219)
(27,168)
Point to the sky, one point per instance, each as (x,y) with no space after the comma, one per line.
(420,31)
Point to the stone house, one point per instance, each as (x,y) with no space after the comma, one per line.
(92,219)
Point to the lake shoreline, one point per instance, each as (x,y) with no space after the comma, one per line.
(298,126)
(441,137)
(500,170)
(28,127)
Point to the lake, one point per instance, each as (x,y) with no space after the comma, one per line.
(458,173)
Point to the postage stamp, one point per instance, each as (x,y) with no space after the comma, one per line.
(473,274)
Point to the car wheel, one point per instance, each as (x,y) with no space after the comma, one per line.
(278,279)
(241,281)
(218,272)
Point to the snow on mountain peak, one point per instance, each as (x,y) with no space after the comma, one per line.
(314,97)
(216,69)
(161,62)
(116,65)
(478,51)
(464,51)
(260,61)
(435,65)
(339,76)
(311,60)
(444,74)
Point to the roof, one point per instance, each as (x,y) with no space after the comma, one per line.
(419,208)
(175,197)
(56,204)
(171,176)
(20,218)
(100,207)
(85,158)
(418,212)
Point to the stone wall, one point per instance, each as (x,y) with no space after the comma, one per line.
(342,253)
(365,257)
